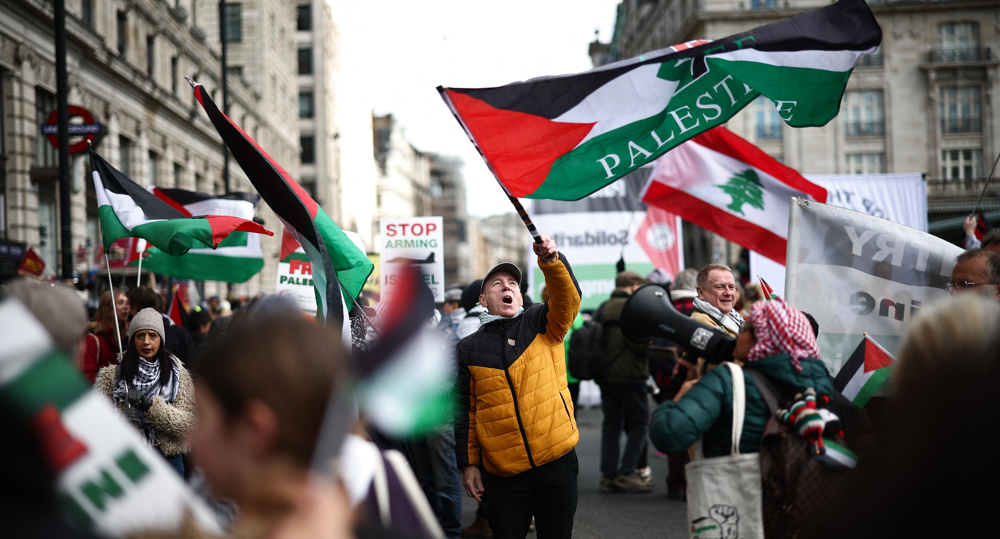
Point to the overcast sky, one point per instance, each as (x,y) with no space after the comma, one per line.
(412,47)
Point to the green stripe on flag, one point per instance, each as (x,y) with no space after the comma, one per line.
(112,229)
(352,265)
(49,380)
(871,386)
(202,266)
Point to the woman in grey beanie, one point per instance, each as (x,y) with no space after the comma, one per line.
(152,387)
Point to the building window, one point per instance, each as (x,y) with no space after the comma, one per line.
(125,156)
(865,163)
(173,74)
(152,167)
(87,12)
(862,112)
(234,23)
(960,111)
(766,119)
(305,61)
(961,164)
(308,144)
(306,105)
(958,36)
(303,22)
(120,28)
(178,173)
(763,4)
(151,56)
(45,153)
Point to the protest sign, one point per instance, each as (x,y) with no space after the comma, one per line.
(295,280)
(856,273)
(417,241)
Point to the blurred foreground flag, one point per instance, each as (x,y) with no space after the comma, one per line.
(108,479)
(339,268)
(127,210)
(725,184)
(865,372)
(405,382)
(237,258)
(565,137)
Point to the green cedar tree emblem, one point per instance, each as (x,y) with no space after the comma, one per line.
(745,188)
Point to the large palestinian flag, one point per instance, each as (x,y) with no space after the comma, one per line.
(865,372)
(127,210)
(724,184)
(340,269)
(238,257)
(565,137)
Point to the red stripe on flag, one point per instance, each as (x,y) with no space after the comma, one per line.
(707,216)
(288,244)
(520,147)
(224,225)
(768,291)
(731,145)
(875,357)
(173,203)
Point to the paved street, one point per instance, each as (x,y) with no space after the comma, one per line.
(614,515)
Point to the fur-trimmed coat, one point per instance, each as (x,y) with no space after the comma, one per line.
(171,421)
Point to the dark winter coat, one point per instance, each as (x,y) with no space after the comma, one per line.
(628,362)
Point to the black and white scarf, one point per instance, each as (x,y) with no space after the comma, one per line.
(731,320)
(147,380)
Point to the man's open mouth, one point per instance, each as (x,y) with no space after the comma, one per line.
(509,300)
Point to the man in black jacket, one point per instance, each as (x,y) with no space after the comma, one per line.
(623,395)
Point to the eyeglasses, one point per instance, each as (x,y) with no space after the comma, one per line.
(959,286)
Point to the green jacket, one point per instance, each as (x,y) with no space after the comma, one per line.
(707,409)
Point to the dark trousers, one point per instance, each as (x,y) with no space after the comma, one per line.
(676,479)
(574,395)
(547,492)
(435,468)
(623,405)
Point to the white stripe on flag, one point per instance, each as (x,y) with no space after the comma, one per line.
(856,382)
(819,60)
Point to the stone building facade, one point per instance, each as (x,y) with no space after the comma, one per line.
(921,103)
(448,200)
(404,172)
(126,64)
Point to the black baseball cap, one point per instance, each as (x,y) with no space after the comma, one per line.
(503,266)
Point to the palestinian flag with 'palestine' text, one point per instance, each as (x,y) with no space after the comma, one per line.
(127,210)
(723,183)
(339,268)
(238,258)
(865,372)
(565,137)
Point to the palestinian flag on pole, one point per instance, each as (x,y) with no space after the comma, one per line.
(766,288)
(340,269)
(109,480)
(568,136)
(865,372)
(127,210)
(724,184)
(238,258)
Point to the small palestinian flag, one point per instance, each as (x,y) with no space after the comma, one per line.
(340,269)
(865,372)
(982,226)
(766,288)
(723,183)
(238,257)
(565,137)
(179,305)
(127,210)
(108,478)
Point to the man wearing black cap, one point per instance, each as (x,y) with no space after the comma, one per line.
(515,433)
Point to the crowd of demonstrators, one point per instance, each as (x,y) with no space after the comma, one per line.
(624,397)
(102,344)
(515,432)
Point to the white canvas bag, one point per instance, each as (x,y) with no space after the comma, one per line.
(724,497)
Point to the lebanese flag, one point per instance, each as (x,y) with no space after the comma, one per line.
(127,210)
(238,258)
(724,184)
(567,136)
(661,238)
(340,269)
(865,372)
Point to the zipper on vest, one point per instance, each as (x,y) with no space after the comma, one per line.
(510,384)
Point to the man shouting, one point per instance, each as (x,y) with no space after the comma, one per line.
(515,432)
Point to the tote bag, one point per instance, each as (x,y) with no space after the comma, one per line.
(724,499)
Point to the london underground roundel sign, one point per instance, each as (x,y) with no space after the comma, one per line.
(89,129)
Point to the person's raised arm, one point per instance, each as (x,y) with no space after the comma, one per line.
(564,291)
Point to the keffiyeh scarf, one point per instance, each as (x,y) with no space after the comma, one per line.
(781,329)
(486,318)
(731,321)
(147,380)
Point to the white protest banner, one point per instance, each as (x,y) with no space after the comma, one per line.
(108,478)
(295,280)
(856,273)
(413,240)
(900,198)
(592,231)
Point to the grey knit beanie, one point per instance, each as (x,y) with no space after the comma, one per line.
(147,318)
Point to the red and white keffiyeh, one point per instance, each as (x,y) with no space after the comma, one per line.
(781,329)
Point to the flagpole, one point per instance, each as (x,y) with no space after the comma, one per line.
(524,217)
(138,277)
(986,185)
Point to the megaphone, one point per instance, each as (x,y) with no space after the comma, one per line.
(648,313)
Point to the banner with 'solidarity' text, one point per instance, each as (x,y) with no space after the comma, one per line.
(856,273)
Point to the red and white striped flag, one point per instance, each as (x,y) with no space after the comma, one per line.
(724,184)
